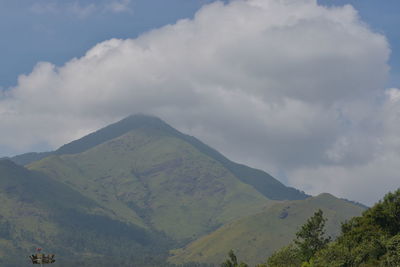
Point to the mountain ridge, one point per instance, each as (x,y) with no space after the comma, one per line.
(258,179)
(157,175)
(139,184)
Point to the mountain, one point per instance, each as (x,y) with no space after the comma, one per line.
(257,236)
(259,180)
(151,177)
(38,211)
(132,191)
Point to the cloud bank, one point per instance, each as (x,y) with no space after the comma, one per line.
(288,86)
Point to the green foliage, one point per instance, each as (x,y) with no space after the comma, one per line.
(370,240)
(392,256)
(311,237)
(386,214)
(333,255)
(232,261)
(308,263)
(288,256)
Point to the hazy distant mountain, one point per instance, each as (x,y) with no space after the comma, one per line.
(139,185)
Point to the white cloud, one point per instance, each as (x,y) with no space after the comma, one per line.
(81,10)
(370,179)
(119,6)
(284,85)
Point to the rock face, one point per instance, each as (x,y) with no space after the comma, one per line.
(136,185)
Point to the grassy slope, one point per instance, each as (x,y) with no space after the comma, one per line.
(255,237)
(151,177)
(259,180)
(160,179)
(38,211)
(28,200)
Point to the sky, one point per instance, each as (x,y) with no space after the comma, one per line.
(307,91)
(59,30)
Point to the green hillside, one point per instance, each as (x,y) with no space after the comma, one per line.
(132,191)
(37,211)
(259,180)
(149,177)
(256,237)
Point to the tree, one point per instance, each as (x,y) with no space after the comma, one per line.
(334,255)
(370,240)
(232,261)
(386,213)
(311,236)
(392,257)
(288,256)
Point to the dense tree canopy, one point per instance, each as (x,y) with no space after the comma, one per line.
(232,261)
(370,240)
(311,236)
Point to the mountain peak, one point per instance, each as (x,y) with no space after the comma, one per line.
(258,179)
(142,119)
(326,196)
(117,129)
(112,131)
